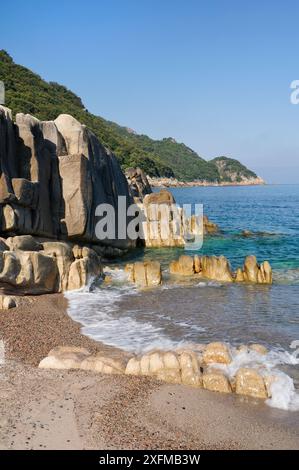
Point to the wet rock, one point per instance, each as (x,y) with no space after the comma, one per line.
(217,268)
(216,381)
(184,266)
(82,270)
(216,353)
(253,272)
(144,274)
(249,382)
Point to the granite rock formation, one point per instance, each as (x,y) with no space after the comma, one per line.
(218,269)
(201,366)
(53,175)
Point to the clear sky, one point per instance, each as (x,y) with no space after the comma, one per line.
(213,74)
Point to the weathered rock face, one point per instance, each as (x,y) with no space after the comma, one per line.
(138,183)
(253,272)
(218,269)
(184,266)
(216,353)
(145,274)
(168,367)
(250,382)
(216,381)
(34,267)
(53,175)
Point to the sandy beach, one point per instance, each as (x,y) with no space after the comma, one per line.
(52,409)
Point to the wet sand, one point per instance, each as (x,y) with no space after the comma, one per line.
(50,409)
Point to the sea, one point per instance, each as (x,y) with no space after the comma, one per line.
(180,313)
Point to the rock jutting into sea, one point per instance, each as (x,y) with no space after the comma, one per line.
(218,269)
(149,274)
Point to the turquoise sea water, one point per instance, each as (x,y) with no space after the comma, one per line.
(270,212)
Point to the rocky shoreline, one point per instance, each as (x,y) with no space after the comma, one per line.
(174,183)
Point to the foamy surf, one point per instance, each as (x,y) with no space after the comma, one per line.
(100,319)
(283,393)
(103,319)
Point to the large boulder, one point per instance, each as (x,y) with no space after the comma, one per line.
(29,271)
(145,274)
(254,272)
(83,270)
(77,194)
(184,266)
(53,176)
(50,266)
(218,268)
(215,381)
(163,225)
(217,353)
(251,383)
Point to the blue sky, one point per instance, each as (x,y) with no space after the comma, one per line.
(213,74)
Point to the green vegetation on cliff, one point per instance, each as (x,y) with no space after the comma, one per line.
(27,92)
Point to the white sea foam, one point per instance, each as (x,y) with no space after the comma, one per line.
(98,313)
(282,389)
(103,321)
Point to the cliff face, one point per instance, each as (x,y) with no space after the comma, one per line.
(53,175)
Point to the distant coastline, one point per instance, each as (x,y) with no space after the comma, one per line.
(174,183)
